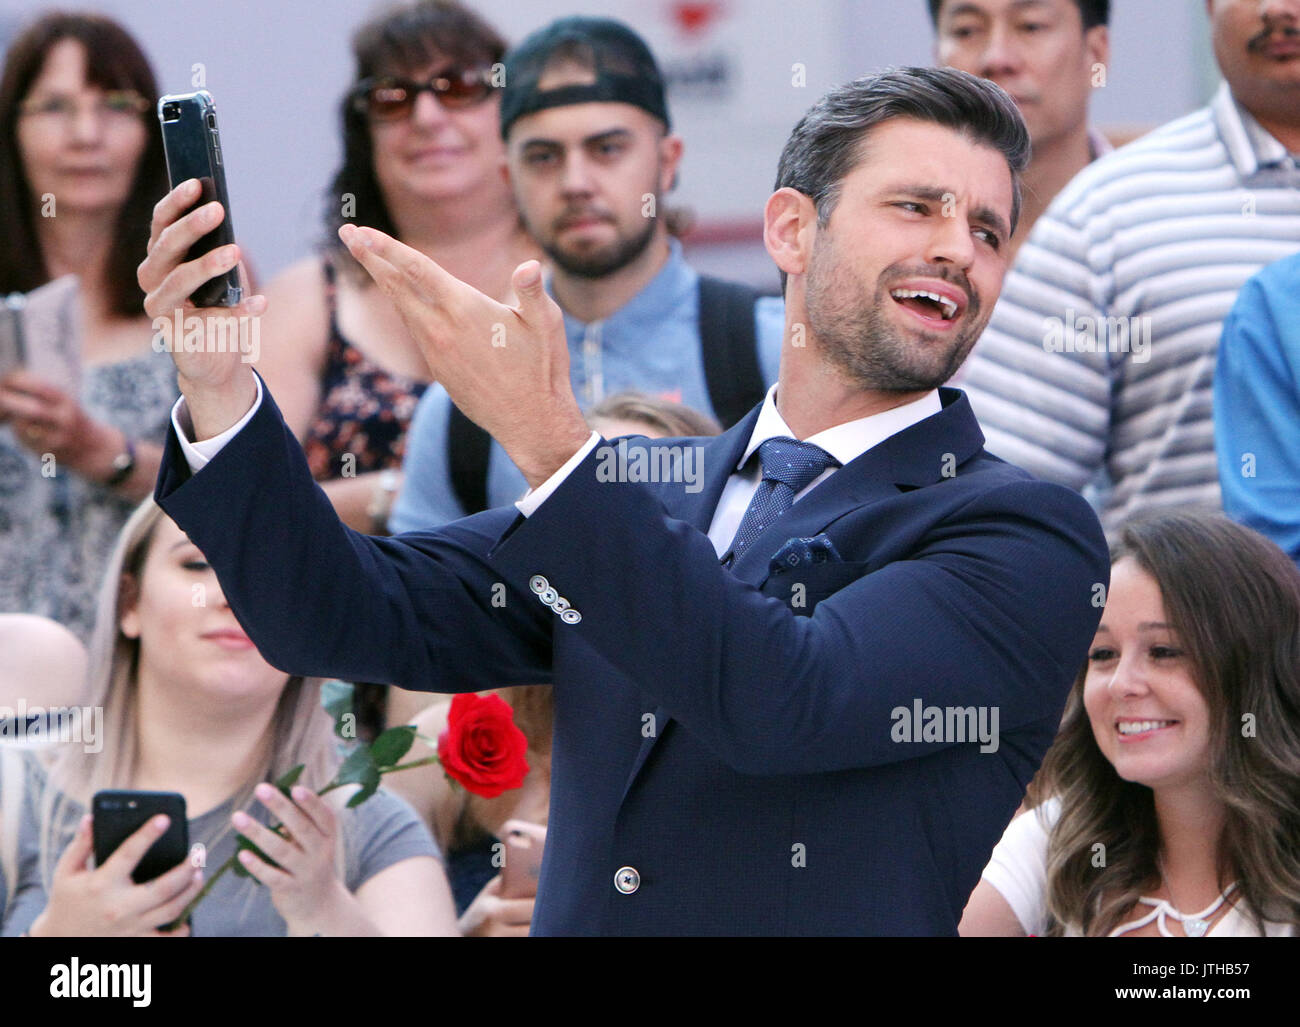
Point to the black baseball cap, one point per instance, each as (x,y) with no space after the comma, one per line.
(624,68)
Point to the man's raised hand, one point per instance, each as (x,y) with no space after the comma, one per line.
(217,381)
(507,368)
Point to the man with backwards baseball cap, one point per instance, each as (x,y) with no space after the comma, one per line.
(590,154)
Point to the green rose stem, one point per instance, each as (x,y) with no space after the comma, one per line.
(287,781)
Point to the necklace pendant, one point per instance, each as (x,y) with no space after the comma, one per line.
(1194,927)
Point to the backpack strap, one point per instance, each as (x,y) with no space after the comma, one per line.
(729,345)
(468,449)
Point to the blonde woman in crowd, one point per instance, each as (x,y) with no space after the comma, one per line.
(190,706)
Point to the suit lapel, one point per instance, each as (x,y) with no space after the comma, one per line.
(865,480)
(720,457)
(921,455)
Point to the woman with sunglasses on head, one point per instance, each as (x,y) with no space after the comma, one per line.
(422,160)
(81,164)
(1170,803)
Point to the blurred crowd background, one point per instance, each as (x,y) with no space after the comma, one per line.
(276,71)
(1170,244)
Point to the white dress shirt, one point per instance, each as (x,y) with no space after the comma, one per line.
(845,442)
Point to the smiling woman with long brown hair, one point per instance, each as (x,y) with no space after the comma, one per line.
(1170,802)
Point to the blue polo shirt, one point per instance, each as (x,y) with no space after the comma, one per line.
(651,344)
(1257,406)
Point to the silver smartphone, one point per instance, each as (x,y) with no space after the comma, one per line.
(193,148)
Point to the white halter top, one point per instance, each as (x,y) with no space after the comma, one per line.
(1195,925)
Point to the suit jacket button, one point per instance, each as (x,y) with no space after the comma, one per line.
(627,880)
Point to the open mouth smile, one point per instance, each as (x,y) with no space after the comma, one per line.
(1135,730)
(928,304)
(938,305)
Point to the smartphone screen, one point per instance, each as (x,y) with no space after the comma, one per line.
(119,814)
(192,145)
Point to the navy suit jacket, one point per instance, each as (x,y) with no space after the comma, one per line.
(733,736)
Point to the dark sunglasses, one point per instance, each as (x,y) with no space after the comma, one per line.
(390,98)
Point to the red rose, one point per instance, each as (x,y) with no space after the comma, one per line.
(481,747)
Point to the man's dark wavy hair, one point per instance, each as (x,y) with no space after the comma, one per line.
(827,143)
(1093,12)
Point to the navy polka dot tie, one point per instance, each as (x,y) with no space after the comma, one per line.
(788,468)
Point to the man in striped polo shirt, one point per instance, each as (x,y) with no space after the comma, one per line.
(1097,365)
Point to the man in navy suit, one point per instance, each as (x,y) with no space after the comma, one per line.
(800,692)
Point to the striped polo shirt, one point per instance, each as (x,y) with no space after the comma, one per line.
(1096,368)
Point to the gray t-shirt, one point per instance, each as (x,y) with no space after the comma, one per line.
(382,831)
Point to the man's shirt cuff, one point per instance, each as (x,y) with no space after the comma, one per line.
(534,498)
(197,454)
